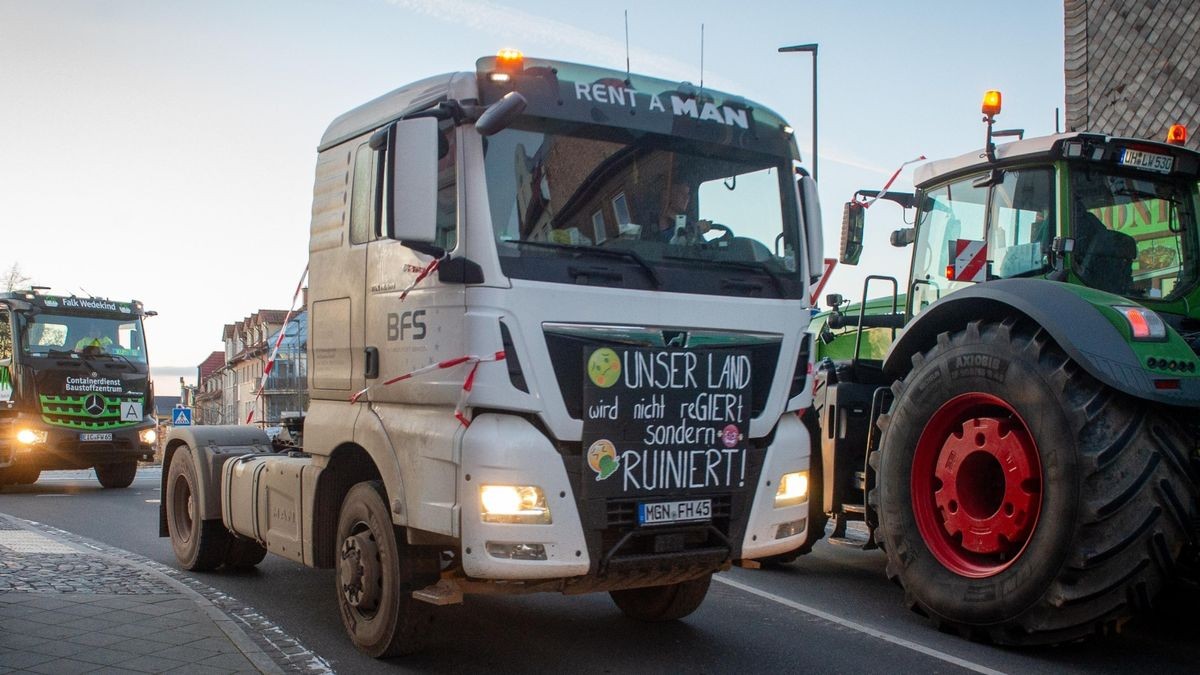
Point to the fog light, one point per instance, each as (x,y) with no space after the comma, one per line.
(793,489)
(516,551)
(148,436)
(514,504)
(791,529)
(31,436)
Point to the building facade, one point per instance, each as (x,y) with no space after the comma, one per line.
(227,389)
(1132,67)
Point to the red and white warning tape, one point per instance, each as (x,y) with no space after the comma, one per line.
(262,384)
(867,204)
(429,269)
(468,384)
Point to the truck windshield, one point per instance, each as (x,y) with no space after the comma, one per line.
(618,207)
(47,334)
(1135,234)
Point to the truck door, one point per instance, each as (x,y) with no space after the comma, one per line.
(426,325)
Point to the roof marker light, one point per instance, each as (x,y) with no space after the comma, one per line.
(510,57)
(1177,134)
(991,102)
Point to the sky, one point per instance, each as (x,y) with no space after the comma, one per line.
(165,151)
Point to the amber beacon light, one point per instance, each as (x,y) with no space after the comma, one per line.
(991,102)
(1177,134)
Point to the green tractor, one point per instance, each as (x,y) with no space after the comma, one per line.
(1017,426)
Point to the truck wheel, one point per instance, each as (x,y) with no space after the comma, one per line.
(24,475)
(1022,501)
(119,475)
(662,603)
(376,574)
(200,545)
(244,554)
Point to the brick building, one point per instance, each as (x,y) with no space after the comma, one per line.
(1132,67)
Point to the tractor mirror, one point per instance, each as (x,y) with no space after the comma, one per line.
(853,220)
(834,300)
(903,237)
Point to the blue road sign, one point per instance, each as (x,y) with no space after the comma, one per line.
(181,417)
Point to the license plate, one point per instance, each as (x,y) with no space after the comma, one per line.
(96,437)
(1147,160)
(687,511)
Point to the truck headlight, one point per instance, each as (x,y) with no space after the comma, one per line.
(793,489)
(31,436)
(525,504)
(147,436)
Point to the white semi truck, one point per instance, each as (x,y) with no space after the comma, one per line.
(557,342)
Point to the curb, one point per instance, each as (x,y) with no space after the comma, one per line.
(281,655)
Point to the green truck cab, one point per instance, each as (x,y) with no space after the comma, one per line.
(75,389)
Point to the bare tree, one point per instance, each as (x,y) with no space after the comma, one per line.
(14,278)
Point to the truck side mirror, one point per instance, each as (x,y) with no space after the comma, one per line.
(412,167)
(903,236)
(853,220)
(500,114)
(814,239)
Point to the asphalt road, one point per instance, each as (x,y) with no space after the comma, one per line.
(832,611)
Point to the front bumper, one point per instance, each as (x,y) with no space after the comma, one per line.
(605,541)
(67,449)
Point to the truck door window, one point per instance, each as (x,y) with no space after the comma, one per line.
(1022,222)
(948,213)
(447,195)
(6,344)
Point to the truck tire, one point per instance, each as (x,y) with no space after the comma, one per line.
(118,475)
(199,545)
(662,603)
(22,474)
(376,574)
(244,554)
(1022,501)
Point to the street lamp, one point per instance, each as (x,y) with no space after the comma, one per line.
(812,49)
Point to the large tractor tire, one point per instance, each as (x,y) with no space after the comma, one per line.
(1021,501)
(199,545)
(662,603)
(376,574)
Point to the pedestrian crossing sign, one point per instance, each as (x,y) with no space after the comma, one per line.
(181,417)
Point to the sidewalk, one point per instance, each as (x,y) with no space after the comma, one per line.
(67,607)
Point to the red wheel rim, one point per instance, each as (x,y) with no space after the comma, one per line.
(976,485)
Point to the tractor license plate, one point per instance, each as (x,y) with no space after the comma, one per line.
(692,510)
(1147,160)
(96,437)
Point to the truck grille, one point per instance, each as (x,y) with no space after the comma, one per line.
(77,412)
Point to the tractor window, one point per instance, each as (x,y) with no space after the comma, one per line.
(1022,222)
(948,214)
(1134,233)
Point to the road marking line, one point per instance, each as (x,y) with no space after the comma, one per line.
(153,501)
(846,623)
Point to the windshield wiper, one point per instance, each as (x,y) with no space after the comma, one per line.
(752,265)
(126,359)
(605,252)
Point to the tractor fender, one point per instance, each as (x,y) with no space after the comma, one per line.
(1088,338)
(211,447)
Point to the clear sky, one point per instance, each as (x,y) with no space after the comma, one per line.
(165,151)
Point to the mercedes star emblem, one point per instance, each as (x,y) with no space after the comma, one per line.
(94,405)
